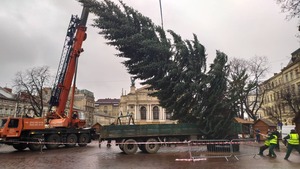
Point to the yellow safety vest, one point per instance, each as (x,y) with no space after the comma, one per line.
(294,139)
(273,140)
(267,142)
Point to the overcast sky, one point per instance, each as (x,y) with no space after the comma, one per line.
(32,34)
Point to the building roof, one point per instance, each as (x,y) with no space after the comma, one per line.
(296,52)
(266,121)
(5,94)
(242,121)
(107,101)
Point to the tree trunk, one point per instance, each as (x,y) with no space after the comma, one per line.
(297,122)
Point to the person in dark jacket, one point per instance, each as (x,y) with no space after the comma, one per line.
(293,143)
(265,146)
(273,144)
(257,134)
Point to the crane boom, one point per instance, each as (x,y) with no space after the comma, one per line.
(76,34)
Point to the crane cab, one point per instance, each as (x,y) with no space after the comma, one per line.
(12,127)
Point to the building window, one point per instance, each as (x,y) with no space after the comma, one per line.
(155,113)
(293,89)
(105,109)
(143,111)
(13,123)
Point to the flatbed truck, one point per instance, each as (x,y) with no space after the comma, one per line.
(149,137)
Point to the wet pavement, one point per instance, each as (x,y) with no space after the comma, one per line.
(93,157)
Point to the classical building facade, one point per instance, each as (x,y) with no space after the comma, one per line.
(288,80)
(144,108)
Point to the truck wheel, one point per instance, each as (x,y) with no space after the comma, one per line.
(53,140)
(152,148)
(71,140)
(130,146)
(36,146)
(83,140)
(20,147)
(121,146)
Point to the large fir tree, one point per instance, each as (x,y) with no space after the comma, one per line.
(173,67)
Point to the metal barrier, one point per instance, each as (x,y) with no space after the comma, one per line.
(204,149)
(247,147)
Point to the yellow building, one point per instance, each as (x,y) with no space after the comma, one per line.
(106,111)
(288,80)
(84,100)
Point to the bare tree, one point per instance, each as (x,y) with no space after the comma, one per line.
(246,76)
(290,6)
(292,99)
(29,86)
(276,111)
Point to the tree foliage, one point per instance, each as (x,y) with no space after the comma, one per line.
(292,7)
(174,68)
(30,84)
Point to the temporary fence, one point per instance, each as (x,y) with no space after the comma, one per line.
(247,147)
(203,149)
(198,150)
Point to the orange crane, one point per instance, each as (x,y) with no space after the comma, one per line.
(66,73)
(63,128)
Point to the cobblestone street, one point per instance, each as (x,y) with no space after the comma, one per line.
(93,157)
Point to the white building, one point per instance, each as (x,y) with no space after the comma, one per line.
(144,108)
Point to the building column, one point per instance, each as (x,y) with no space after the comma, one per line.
(148,112)
(161,114)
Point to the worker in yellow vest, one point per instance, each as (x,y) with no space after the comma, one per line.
(266,144)
(273,144)
(293,143)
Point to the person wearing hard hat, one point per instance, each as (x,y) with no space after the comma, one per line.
(293,143)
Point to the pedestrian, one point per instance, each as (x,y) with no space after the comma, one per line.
(265,146)
(273,144)
(293,143)
(257,132)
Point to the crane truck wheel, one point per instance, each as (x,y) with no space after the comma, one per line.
(130,146)
(36,146)
(20,147)
(53,140)
(71,140)
(83,140)
(152,148)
